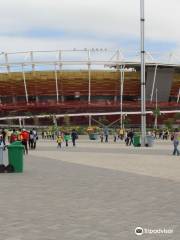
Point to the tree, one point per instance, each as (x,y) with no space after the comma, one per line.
(54,120)
(169,123)
(126,122)
(156,114)
(177,116)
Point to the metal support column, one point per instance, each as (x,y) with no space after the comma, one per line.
(178,97)
(7,62)
(54,120)
(56,79)
(60,69)
(20,123)
(90,120)
(121,94)
(155,122)
(25,86)
(154,80)
(89,78)
(32,61)
(23,120)
(143,82)
(120,68)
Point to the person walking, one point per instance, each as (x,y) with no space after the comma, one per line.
(121,133)
(35,137)
(59,141)
(4,136)
(2,148)
(66,138)
(31,139)
(101,136)
(74,136)
(106,134)
(115,135)
(42,134)
(127,138)
(176,142)
(9,132)
(25,139)
(13,136)
(130,136)
(45,134)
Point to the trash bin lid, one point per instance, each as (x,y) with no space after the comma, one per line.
(15,146)
(16,143)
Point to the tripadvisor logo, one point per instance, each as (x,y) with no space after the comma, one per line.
(139,231)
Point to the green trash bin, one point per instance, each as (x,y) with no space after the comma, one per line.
(17,143)
(16,155)
(136,141)
(93,136)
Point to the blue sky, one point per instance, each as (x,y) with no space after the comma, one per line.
(67,24)
(124,42)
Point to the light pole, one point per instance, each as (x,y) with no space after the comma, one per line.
(121,94)
(143,82)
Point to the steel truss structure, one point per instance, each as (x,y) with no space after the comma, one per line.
(86,59)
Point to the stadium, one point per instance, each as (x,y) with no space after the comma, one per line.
(42,87)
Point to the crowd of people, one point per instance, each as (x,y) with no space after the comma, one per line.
(27,138)
(128,135)
(61,137)
(66,137)
(163,134)
(47,134)
(121,134)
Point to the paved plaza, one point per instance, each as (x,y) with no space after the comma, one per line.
(94,191)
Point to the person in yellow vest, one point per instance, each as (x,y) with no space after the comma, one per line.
(59,141)
(9,132)
(121,133)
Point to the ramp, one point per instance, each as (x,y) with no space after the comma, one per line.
(163,82)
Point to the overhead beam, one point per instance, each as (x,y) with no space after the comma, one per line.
(25,86)
(92,114)
(56,81)
(154,81)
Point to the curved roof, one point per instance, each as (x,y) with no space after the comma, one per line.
(99,58)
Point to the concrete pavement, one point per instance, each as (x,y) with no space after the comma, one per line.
(93,191)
